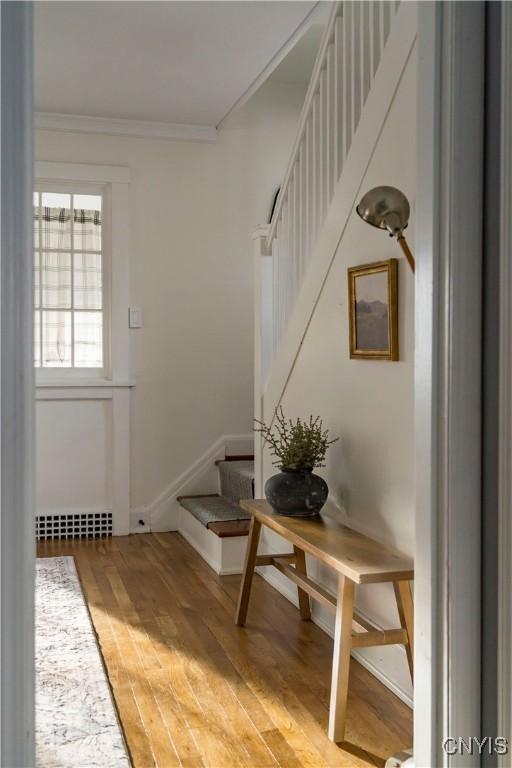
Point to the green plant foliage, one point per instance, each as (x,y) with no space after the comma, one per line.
(296,445)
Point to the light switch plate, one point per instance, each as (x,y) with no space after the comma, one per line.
(135,317)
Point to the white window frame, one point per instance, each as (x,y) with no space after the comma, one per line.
(50,372)
(112,182)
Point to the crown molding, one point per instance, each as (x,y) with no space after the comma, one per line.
(49,170)
(53,121)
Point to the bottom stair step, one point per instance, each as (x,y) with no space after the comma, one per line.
(217,513)
(230,528)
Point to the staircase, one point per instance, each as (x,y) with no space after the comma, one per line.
(347,62)
(363,53)
(214,523)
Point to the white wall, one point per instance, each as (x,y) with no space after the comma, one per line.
(369,404)
(193,208)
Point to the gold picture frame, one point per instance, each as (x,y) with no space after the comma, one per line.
(373,311)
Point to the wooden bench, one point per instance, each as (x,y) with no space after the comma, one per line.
(357,560)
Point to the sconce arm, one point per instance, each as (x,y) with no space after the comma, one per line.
(405,248)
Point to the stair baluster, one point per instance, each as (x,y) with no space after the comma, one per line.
(346,64)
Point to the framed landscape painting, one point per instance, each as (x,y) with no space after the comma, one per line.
(373,310)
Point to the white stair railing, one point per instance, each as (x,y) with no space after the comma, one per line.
(347,61)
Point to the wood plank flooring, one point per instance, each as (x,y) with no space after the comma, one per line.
(194,690)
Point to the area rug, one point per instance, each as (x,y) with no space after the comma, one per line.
(76,719)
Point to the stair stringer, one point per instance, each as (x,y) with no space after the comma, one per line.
(394,60)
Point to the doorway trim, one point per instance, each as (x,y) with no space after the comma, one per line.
(505,397)
(447,582)
(17,538)
(447,377)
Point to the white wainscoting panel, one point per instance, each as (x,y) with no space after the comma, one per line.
(83,451)
(74,455)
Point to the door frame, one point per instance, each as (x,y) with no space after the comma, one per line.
(448,377)
(505,395)
(17,537)
(447,380)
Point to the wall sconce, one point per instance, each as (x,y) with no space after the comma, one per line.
(388,208)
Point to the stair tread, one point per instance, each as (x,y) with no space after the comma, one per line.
(230,528)
(213,509)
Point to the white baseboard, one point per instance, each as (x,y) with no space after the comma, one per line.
(200,477)
(136,527)
(138,520)
(384,678)
(289,591)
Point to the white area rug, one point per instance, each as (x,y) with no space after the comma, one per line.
(76,721)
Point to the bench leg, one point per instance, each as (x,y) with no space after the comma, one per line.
(406,612)
(300,567)
(250,561)
(341,659)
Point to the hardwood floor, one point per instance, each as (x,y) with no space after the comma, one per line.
(192,689)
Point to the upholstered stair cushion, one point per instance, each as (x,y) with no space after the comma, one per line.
(222,514)
(213,509)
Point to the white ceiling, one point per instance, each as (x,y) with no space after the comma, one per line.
(297,66)
(174,62)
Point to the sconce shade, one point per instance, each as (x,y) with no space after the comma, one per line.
(385,208)
(388,208)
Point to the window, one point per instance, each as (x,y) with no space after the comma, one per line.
(69,300)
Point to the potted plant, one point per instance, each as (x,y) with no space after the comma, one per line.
(298,447)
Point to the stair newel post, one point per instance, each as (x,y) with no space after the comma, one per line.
(263,338)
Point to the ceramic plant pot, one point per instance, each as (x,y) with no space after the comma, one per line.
(296,492)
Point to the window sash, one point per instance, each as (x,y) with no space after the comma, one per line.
(73,309)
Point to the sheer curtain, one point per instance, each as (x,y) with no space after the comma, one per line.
(88,289)
(68,287)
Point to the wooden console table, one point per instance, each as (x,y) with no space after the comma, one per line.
(357,560)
